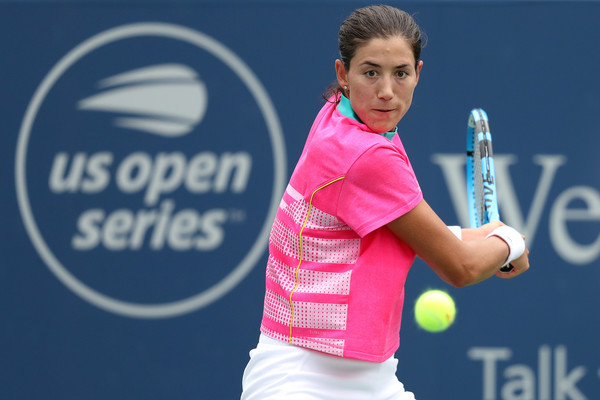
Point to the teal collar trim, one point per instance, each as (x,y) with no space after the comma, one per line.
(346,109)
(389,135)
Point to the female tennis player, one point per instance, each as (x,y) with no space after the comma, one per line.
(349,226)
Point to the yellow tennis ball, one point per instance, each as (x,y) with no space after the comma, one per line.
(435,310)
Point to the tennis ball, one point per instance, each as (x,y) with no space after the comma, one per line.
(435,310)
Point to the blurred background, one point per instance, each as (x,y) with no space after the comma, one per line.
(146,145)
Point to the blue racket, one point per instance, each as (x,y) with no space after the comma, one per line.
(481,176)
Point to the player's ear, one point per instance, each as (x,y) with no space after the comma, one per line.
(418,69)
(341,73)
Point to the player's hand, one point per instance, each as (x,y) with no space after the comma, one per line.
(520,265)
(481,232)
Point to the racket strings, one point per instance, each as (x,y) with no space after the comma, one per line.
(478,182)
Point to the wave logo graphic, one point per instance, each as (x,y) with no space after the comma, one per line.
(172,215)
(167,100)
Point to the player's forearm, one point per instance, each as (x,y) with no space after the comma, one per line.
(483,258)
(463,263)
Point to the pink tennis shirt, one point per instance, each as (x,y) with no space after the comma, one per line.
(335,274)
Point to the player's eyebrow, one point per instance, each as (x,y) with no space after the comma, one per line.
(370,64)
(375,65)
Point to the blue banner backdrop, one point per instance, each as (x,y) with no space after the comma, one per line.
(145,147)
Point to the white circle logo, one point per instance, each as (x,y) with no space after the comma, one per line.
(141,173)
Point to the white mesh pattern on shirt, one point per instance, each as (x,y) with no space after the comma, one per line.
(308,281)
(327,251)
(325,345)
(284,239)
(301,247)
(317,220)
(277,308)
(306,315)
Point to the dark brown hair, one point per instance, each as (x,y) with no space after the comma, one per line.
(378,21)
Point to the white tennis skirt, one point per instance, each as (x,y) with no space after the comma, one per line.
(278,370)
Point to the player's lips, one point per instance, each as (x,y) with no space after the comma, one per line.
(384,110)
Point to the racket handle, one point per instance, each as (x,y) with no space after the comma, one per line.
(507,268)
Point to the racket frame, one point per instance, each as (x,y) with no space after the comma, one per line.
(482,196)
(481,175)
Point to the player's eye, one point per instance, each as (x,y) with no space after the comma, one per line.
(402,74)
(371,73)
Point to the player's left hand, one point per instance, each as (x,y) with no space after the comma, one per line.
(520,265)
(481,232)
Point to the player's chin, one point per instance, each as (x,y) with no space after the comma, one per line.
(383,125)
(390,120)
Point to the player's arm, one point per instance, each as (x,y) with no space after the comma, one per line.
(521,264)
(457,262)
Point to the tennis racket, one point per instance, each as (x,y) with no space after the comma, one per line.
(481,176)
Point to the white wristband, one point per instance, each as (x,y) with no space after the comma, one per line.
(513,239)
(456,230)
